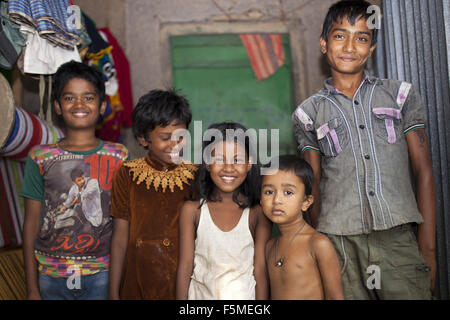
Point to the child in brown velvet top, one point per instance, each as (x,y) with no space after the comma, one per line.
(147,196)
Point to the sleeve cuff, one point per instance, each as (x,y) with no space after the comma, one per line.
(304,149)
(414,127)
(27,196)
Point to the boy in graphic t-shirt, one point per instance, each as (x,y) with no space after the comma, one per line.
(67,187)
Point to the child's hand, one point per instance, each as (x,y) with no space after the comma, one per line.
(430,260)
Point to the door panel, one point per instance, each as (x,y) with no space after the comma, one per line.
(215,74)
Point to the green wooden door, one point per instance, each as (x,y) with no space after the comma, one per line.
(215,74)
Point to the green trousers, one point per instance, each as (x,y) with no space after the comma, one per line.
(383,265)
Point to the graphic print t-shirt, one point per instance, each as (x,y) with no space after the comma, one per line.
(75,190)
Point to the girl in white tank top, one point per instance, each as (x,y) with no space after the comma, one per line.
(223,232)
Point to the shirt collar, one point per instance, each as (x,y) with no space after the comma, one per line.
(367,78)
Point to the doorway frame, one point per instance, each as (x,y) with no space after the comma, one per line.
(292,28)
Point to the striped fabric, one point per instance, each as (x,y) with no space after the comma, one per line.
(11,205)
(49,17)
(265,52)
(61,267)
(12,275)
(28,131)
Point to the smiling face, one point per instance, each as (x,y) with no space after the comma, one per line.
(160,145)
(229,166)
(283,197)
(79,104)
(348,46)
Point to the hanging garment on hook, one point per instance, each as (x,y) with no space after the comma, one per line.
(52,19)
(11,40)
(41,57)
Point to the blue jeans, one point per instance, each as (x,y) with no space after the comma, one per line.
(92,287)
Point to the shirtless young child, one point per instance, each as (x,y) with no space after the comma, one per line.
(301,262)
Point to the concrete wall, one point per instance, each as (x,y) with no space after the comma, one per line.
(142,28)
(137,25)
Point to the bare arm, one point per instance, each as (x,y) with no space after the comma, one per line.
(314,160)
(119,245)
(187,247)
(31,229)
(262,235)
(329,268)
(419,154)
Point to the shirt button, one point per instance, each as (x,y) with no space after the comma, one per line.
(371,193)
(362,127)
(166,242)
(367,156)
(356,102)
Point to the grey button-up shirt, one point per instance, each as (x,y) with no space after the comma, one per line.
(366,183)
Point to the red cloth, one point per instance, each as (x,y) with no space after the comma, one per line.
(123,76)
(265,52)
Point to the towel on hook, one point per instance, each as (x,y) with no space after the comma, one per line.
(265,52)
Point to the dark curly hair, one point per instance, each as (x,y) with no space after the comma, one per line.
(204,188)
(159,108)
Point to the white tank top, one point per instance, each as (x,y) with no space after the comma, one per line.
(223,261)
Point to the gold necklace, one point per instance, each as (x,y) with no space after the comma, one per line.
(142,171)
(280,262)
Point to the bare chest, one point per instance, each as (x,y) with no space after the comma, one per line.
(297,278)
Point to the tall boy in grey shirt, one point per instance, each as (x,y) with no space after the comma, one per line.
(360,134)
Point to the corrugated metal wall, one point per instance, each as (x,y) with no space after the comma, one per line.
(413,47)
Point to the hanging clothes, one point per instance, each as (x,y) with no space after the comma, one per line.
(49,17)
(265,52)
(85,39)
(99,55)
(98,46)
(123,75)
(41,57)
(50,39)
(11,40)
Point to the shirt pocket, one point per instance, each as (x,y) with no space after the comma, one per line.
(332,137)
(387,124)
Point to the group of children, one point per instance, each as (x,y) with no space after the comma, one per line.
(100,226)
